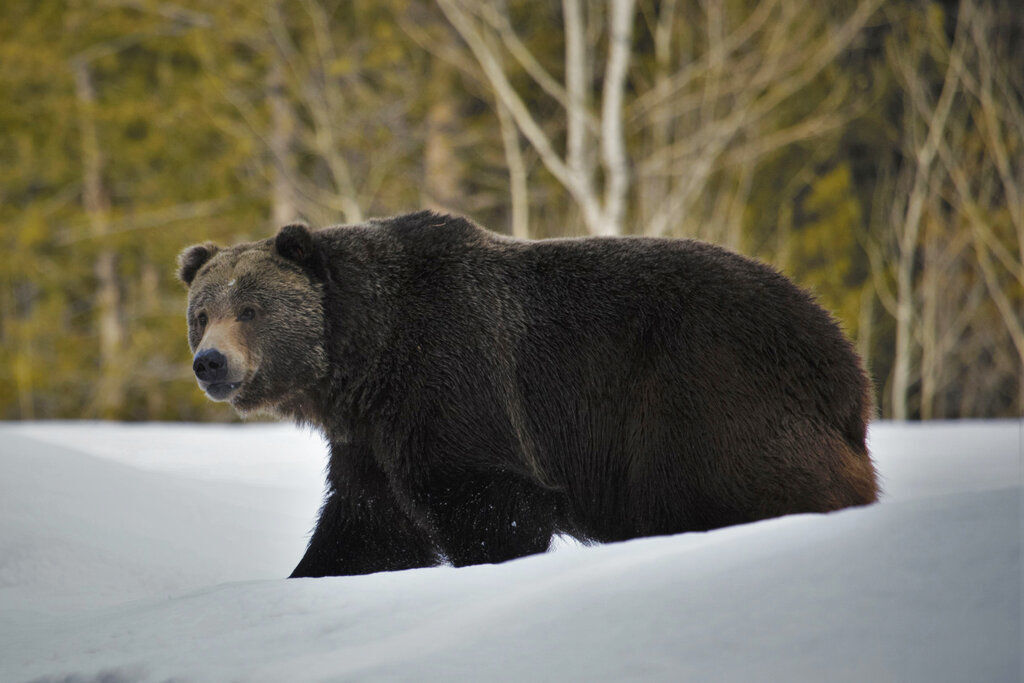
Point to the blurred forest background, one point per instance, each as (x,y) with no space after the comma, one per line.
(873,151)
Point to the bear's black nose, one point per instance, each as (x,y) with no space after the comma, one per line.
(210,366)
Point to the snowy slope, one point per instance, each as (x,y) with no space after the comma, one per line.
(148,552)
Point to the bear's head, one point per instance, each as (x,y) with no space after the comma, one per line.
(256,321)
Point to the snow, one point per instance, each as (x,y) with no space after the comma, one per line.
(155,552)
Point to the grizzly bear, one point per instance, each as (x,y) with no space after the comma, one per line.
(481,393)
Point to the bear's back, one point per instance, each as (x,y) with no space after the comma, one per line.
(592,310)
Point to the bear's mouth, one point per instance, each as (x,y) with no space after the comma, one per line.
(220,391)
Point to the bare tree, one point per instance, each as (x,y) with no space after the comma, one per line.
(602,210)
(110,394)
(925,128)
(988,184)
(954,211)
(311,112)
(679,147)
(518,183)
(721,105)
(281,140)
(442,169)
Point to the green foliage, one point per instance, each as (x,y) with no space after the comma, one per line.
(823,250)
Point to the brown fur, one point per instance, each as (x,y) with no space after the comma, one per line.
(481,393)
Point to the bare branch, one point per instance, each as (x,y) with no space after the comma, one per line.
(499,21)
(519,111)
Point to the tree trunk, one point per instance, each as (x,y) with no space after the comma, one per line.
(865,327)
(654,189)
(441,168)
(910,230)
(282,131)
(110,395)
(904,319)
(577,152)
(613,138)
(519,191)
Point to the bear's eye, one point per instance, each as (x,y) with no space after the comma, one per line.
(247,314)
(201,320)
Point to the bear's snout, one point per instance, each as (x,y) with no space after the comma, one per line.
(221,364)
(210,366)
(214,374)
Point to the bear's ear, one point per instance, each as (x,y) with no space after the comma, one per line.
(192,259)
(295,243)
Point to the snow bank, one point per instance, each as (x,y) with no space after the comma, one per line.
(153,552)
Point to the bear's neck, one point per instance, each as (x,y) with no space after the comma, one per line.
(319,407)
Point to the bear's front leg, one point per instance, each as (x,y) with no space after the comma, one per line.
(488,517)
(361,528)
